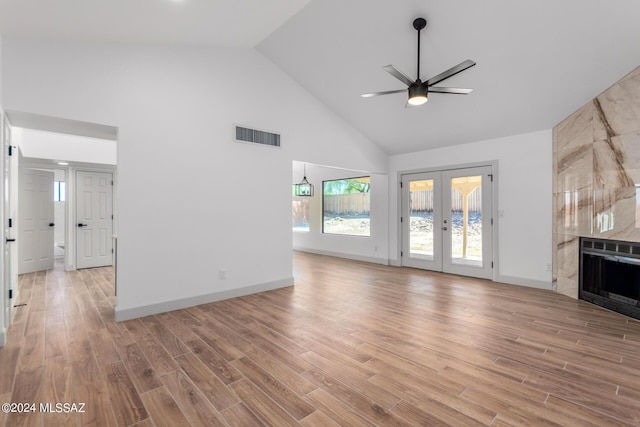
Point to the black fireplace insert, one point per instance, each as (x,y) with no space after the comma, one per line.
(610,274)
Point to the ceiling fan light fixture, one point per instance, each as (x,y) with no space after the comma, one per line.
(419,90)
(418,94)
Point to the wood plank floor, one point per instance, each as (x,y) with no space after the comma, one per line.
(352,344)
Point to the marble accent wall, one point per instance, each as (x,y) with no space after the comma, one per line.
(596,160)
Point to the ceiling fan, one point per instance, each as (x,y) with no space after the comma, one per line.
(419,90)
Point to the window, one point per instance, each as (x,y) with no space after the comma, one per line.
(58,191)
(301,214)
(346,206)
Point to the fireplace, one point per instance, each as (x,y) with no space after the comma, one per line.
(610,275)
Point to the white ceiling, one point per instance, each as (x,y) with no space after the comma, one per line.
(538,61)
(238,23)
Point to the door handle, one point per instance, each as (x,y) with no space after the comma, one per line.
(51,224)
(10,240)
(82,225)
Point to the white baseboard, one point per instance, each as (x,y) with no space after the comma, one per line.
(529,283)
(147,310)
(374,260)
(511,280)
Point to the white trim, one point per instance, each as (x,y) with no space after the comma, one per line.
(373,260)
(3,336)
(162,307)
(520,281)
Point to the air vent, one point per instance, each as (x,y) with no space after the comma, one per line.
(257,136)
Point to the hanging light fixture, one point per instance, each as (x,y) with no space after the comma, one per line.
(304,187)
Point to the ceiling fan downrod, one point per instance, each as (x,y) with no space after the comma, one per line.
(419,24)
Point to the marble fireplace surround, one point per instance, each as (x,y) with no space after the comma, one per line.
(596,161)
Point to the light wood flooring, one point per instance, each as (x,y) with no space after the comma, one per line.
(352,344)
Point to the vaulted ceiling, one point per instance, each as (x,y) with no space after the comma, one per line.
(537,62)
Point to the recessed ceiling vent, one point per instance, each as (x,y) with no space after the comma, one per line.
(257,136)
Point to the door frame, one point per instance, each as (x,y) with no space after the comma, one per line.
(70,215)
(5,262)
(494,205)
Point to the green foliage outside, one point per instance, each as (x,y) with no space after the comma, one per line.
(345,186)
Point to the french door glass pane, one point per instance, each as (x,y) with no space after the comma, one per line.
(421,219)
(466,220)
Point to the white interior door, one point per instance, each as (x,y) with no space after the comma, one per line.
(36,220)
(94,218)
(446,221)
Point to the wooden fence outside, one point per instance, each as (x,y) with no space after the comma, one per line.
(422,201)
(352,204)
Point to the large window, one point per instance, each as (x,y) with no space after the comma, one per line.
(346,206)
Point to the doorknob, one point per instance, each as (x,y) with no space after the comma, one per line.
(82,225)
(51,224)
(10,240)
(445,228)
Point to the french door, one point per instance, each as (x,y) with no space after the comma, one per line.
(446,221)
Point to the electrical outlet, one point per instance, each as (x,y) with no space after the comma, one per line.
(222,273)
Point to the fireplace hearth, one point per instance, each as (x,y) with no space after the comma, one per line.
(610,275)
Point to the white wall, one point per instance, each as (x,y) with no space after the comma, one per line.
(524,200)
(373,248)
(191,200)
(50,145)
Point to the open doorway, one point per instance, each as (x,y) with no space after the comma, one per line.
(68,148)
(62,149)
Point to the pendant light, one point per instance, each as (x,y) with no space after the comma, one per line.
(304,188)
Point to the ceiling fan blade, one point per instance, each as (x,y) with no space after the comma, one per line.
(450,72)
(456,90)
(388,92)
(391,69)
